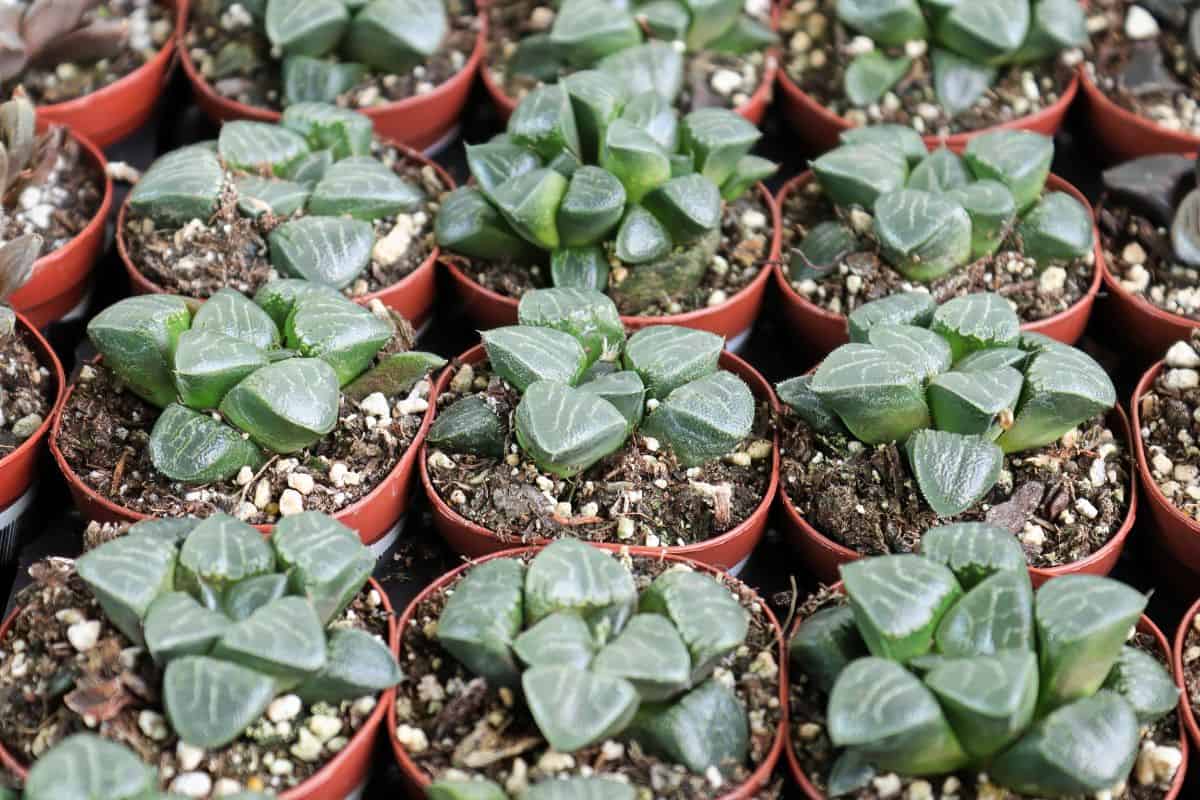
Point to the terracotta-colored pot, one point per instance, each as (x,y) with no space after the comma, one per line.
(110,114)
(819,129)
(824,330)
(733,319)
(373,515)
(413,295)
(727,552)
(1185,702)
(423,121)
(1122,134)
(60,279)
(753,109)
(341,775)
(415,779)
(1146,330)
(1145,625)
(823,555)
(19,467)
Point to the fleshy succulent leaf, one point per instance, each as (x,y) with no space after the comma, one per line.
(642,237)
(703,419)
(651,67)
(523,355)
(469,425)
(561,638)
(588,30)
(585,268)
(482,618)
(208,364)
(710,621)
(953,470)
(287,405)
(394,36)
(85,765)
(923,349)
(394,375)
(667,356)
(994,616)
(468,224)
(210,702)
(1063,387)
(922,234)
(181,186)
(891,22)
(591,207)
(905,308)
(137,338)
(959,82)
(325,561)
(306,27)
(260,148)
(1057,228)
(324,126)
(574,708)
(650,654)
(363,188)
(635,157)
(703,729)
(191,447)
(591,317)
(624,390)
(176,625)
(798,395)
(544,122)
(940,171)
(879,398)
(357,664)
(857,174)
(569,575)
(973,550)
(283,639)
(872,74)
(898,601)
(825,644)
(989,700)
(971,402)
(338,331)
(1145,684)
(126,574)
(976,322)
(566,430)
(529,204)
(992,209)
(233,314)
(328,250)
(1018,159)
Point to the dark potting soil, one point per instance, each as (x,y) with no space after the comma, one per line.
(56,679)
(26,391)
(59,206)
(231,250)
(637,495)
(746,230)
(235,57)
(817,50)
(105,438)
(809,739)
(864,276)
(449,719)
(711,79)
(149,25)
(1151,77)
(1063,502)
(1140,255)
(1170,427)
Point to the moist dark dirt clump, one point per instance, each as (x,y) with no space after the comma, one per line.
(230,250)
(149,23)
(448,719)
(639,495)
(865,498)
(746,230)
(26,391)
(809,737)
(60,205)
(50,689)
(234,56)
(1170,428)
(817,50)
(864,276)
(105,438)
(1141,258)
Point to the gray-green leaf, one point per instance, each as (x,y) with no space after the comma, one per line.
(898,601)
(561,638)
(469,425)
(825,644)
(566,430)
(338,331)
(994,616)
(1144,682)
(285,406)
(922,234)
(1058,228)
(126,574)
(569,575)
(181,186)
(357,664)
(176,625)
(326,562)
(879,398)
(711,622)
(137,338)
(976,322)
(668,356)
(192,447)
(589,316)
(953,470)
(259,148)
(363,188)
(705,728)
(483,617)
(574,708)
(704,419)
(905,308)
(210,702)
(973,550)
(522,355)
(328,250)
(650,654)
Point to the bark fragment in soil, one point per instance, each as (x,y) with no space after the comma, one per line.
(1170,427)
(450,720)
(864,276)
(637,496)
(59,207)
(1141,258)
(234,57)
(809,739)
(230,250)
(1064,501)
(47,686)
(26,392)
(745,246)
(816,54)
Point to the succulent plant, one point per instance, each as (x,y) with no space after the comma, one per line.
(313,174)
(950,659)
(236,619)
(639,45)
(595,660)
(1163,188)
(967,42)
(578,404)
(959,384)
(45,34)
(934,213)
(237,375)
(575,788)
(613,189)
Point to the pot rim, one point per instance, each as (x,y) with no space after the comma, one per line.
(1139,124)
(1185,705)
(761,774)
(1145,384)
(49,359)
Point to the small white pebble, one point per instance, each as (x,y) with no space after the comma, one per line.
(291,502)
(84,635)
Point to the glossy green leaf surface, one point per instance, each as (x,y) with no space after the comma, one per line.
(589,316)
(394,375)
(137,337)
(989,700)
(992,209)
(1018,159)
(326,562)
(798,395)
(1145,683)
(954,471)
(878,398)
(973,550)
(192,447)
(636,159)
(898,602)
(959,82)
(889,22)
(624,390)
(651,67)
(574,708)
(710,620)
(183,185)
(561,638)
(905,308)
(566,430)
(522,355)
(247,596)
(825,644)
(569,575)
(544,122)
(482,618)
(1063,387)
(687,206)
(284,639)
(176,625)
(650,654)
(396,35)
(591,208)
(285,406)
(940,171)
(970,402)
(585,268)
(588,30)
(993,616)
(871,75)
(326,250)
(716,139)
(231,313)
(338,331)
(667,356)
(259,148)
(210,702)
(641,237)
(976,322)
(705,728)
(1058,228)
(363,188)
(529,204)
(258,196)
(703,419)
(357,664)
(468,224)
(126,574)
(922,234)
(306,27)
(343,132)
(470,425)
(857,174)
(901,138)
(922,349)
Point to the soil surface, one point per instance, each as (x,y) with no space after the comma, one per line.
(234,56)
(1170,417)
(810,740)
(105,439)
(61,205)
(150,25)
(1191,665)
(231,249)
(746,231)
(1140,255)
(711,79)
(1063,502)
(463,721)
(818,48)
(51,689)
(1166,93)
(864,276)
(26,392)
(639,495)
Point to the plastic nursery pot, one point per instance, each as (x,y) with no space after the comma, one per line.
(732,319)
(1185,703)
(425,122)
(1122,134)
(823,555)
(413,295)
(1145,625)
(373,516)
(729,551)
(1147,329)
(343,775)
(753,109)
(825,330)
(110,114)
(59,282)
(19,466)
(416,779)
